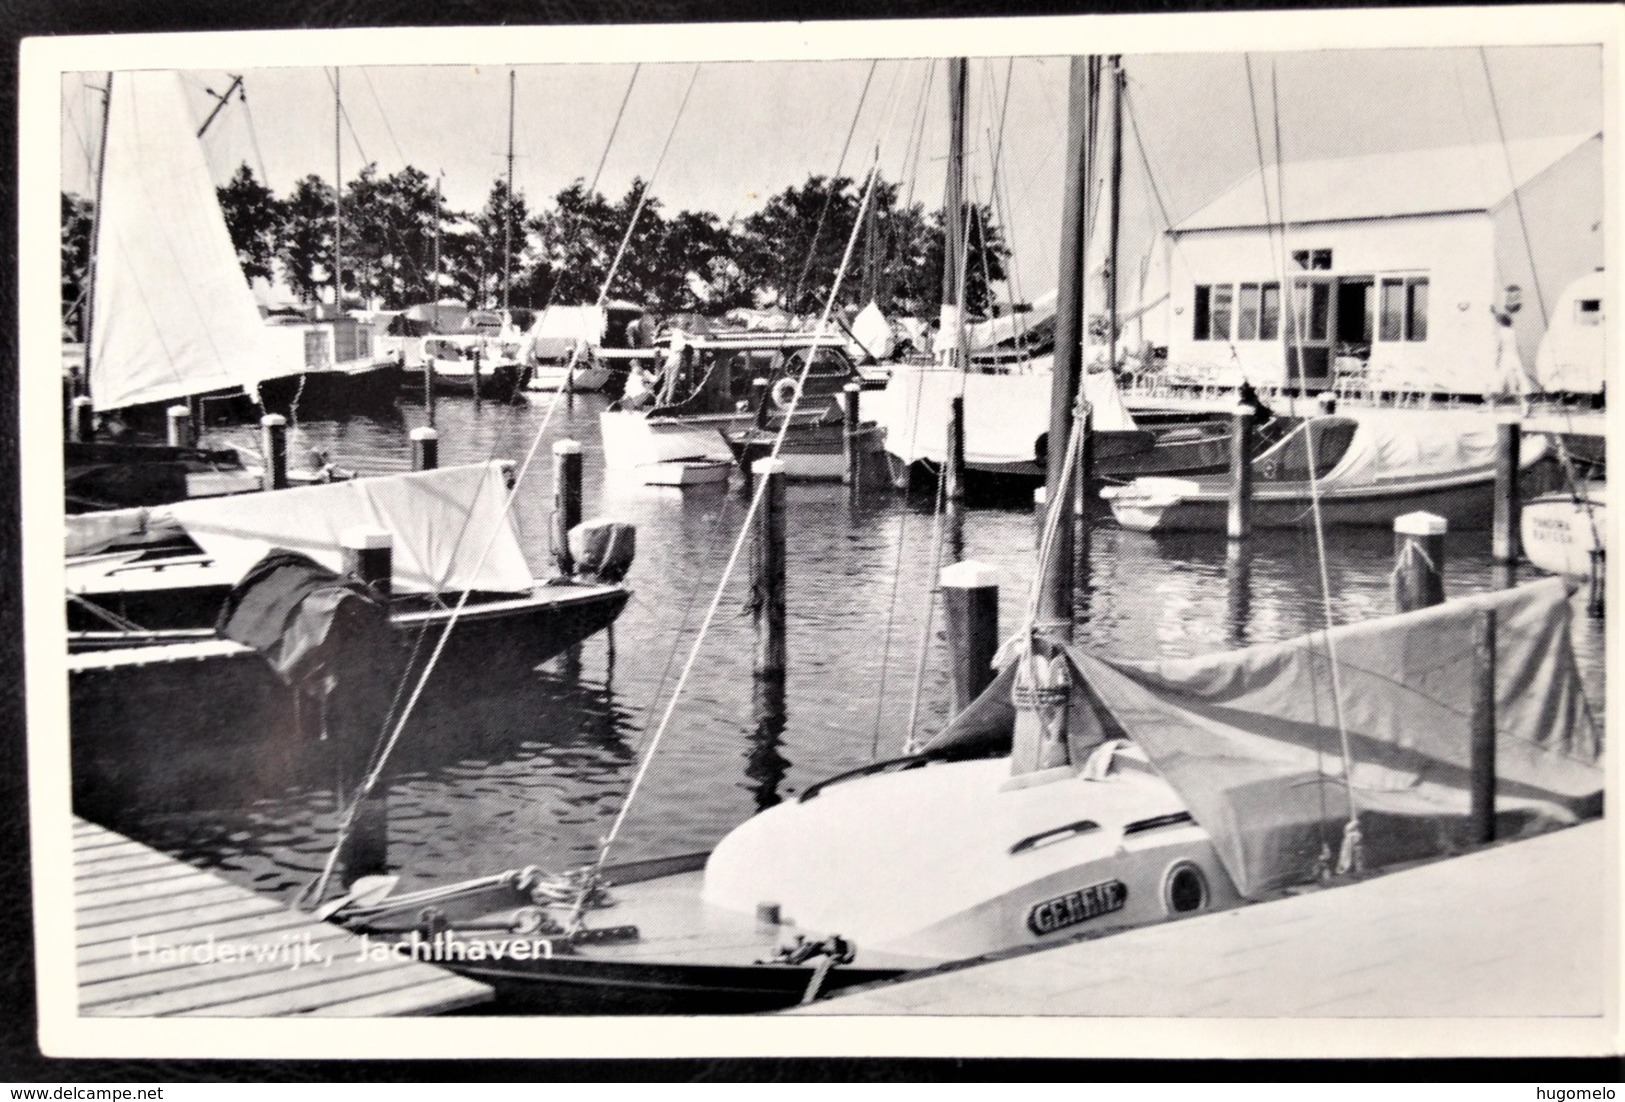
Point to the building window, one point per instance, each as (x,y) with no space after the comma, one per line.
(1204,295)
(1269,312)
(1391,316)
(1588,311)
(1223,298)
(1416,309)
(1313,260)
(1312,307)
(1247,313)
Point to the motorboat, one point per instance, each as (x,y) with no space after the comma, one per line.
(1564,532)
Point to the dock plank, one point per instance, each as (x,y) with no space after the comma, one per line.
(135,909)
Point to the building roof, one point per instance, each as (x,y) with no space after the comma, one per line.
(1386,185)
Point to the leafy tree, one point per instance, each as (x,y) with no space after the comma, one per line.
(77,222)
(389,228)
(306,251)
(255,217)
(478,248)
(578,239)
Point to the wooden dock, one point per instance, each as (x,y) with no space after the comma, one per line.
(1518,930)
(157,937)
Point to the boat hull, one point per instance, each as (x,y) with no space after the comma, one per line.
(331,393)
(1465,504)
(1559,535)
(811,453)
(633,440)
(549,377)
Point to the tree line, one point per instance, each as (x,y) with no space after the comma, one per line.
(396,234)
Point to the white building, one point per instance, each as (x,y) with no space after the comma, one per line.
(1398,263)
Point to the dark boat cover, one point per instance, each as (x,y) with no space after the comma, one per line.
(1250,738)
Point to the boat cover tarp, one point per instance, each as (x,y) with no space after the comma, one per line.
(873,333)
(1004,329)
(441,521)
(88,533)
(1571,353)
(1004,414)
(559,329)
(1250,740)
(306,620)
(1400,446)
(174,316)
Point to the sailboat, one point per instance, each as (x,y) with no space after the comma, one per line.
(1079,795)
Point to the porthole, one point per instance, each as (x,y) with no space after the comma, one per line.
(1184,889)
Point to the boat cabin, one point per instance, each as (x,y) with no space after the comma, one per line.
(1400,267)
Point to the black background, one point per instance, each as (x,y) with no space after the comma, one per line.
(20,1059)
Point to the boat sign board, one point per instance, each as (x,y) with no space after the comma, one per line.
(1075,907)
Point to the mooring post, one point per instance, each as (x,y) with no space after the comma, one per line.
(369,557)
(81,420)
(970,602)
(1082,475)
(477,394)
(953,468)
(1239,520)
(566,501)
(274,445)
(428,388)
(179,424)
(1328,403)
(758,401)
(768,561)
(1504,536)
(850,442)
(1419,561)
(1040,518)
(1481,747)
(425,449)
(1596,603)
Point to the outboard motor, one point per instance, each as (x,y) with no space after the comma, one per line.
(603,550)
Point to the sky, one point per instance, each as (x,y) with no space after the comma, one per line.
(750,129)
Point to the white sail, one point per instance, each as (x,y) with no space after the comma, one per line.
(173,314)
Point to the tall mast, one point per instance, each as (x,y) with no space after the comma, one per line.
(95,232)
(507,210)
(435,307)
(1119,79)
(953,244)
(1055,586)
(338,193)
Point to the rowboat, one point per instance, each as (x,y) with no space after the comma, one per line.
(1563,533)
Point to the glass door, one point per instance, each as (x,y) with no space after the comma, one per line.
(1310,333)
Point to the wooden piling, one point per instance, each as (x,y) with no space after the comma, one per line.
(1083,473)
(768,574)
(1481,746)
(178,420)
(369,556)
(758,400)
(1239,521)
(566,501)
(274,445)
(428,388)
(851,442)
(425,449)
(1418,561)
(1504,535)
(953,467)
(1596,602)
(477,395)
(1327,403)
(1040,517)
(81,420)
(970,602)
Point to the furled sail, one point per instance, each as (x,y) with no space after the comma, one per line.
(441,521)
(173,316)
(1250,741)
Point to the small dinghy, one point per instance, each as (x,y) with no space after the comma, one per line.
(1562,532)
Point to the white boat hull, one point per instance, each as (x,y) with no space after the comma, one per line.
(685,472)
(1183,505)
(633,439)
(549,378)
(1560,534)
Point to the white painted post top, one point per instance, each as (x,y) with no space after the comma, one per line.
(180,411)
(1041,495)
(767,465)
(969,574)
(364,538)
(425,433)
(1421,524)
(273,421)
(566,447)
(852,387)
(1242,409)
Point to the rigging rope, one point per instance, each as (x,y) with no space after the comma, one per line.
(829,192)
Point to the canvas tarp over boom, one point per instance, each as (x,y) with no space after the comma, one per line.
(173,315)
(1249,738)
(1398,446)
(441,521)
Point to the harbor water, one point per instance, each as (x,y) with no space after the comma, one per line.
(533,772)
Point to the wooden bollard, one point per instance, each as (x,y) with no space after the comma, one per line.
(428,388)
(851,442)
(477,394)
(1418,561)
(1327,404)
(1504,536)
(274,444)
(425,449)
(768,573)
(369,557)
(970,602)
(759,400)
(1040,518)
(1596,603)
(178,420)
(1083,473)
(1481,738)
(953,467)
(81,420)
(566,501)
(1239,520)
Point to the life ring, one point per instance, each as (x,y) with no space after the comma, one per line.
(785,392)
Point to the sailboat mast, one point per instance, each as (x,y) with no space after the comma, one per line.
(507,209)
(338,192)
(1055,584)
(95,232)
(953,244)
(1119,79)
(436,290)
